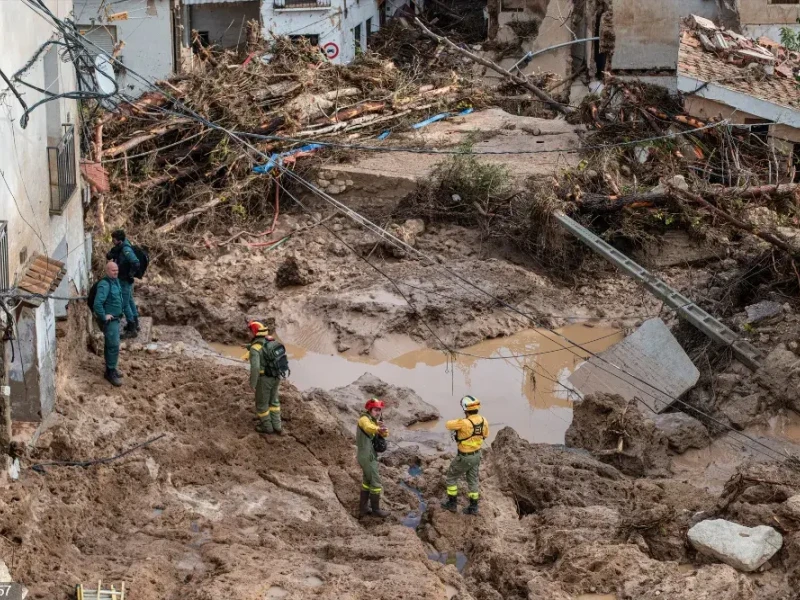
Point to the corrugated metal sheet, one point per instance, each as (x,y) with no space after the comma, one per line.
(195,2)
(104,36)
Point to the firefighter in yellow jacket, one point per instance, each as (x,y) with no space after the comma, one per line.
(469,432)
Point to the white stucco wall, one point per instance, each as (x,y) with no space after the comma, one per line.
(773,32)
(147,33)
(226,24)
(333,25)
(25,200)
(648,31)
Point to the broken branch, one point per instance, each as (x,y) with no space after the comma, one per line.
(177,222)
(520,81)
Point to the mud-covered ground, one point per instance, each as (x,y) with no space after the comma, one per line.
(214,509)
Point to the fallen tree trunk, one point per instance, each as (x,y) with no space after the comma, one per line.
(767,236)
(758,191)
(598,203)
(184,218)
(140,139)
(520,81)
(593,203)
(345,114)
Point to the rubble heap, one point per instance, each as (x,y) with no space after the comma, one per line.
(165,164)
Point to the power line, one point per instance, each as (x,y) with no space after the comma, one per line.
(403,245)
(394,241)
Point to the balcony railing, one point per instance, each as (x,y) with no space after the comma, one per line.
(287,4)
(63,177)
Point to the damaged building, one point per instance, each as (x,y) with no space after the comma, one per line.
(723,75)
(43,250)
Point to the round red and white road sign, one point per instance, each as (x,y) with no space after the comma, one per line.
(331,50)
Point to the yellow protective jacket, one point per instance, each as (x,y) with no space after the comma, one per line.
(367,429)
(254,350)
(470,432)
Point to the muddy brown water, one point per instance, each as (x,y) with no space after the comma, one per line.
(519,379)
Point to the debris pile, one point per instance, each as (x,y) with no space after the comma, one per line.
(165,165)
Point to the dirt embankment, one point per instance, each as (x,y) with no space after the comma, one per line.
(215,510)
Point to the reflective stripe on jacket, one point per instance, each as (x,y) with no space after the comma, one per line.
(366,430)
(254,348)
(465,429)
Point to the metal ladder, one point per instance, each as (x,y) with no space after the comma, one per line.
(101,594)
(686,308)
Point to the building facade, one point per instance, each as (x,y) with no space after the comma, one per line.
(340,27)
(143,29)
(43,249)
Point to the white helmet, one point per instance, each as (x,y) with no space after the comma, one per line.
(470,403)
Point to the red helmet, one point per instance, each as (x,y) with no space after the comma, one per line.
(374,403)
(255,327)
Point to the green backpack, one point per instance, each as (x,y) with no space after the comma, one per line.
(274,360)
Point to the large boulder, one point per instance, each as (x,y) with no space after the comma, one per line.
(744,548)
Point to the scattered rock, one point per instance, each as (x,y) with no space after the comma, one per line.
(742,410)
(780,374)
(293,272)
(761,217)
(617,433)
(792,507)
(766,311)
(677,182)
(744,548)
(337,249)
(682,431)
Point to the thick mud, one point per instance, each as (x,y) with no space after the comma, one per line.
(521,379)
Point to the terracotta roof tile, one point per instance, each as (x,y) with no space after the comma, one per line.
(42,277)
(727,69)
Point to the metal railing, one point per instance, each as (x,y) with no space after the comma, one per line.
(63,175)
(284,4)
(4,273)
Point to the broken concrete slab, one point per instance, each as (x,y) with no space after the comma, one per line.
(764,312)
(743,548)
(651,354)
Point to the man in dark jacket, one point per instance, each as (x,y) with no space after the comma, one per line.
(108,310)
(122,253)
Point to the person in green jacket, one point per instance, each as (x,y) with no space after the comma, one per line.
(370,425)
(108,310)
(268,402)
(123,254)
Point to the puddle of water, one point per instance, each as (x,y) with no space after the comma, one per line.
(459,559)
(157,512)
(313,581)
(784,426)
(518,391)
(414,518)
(275,593)
(716,464)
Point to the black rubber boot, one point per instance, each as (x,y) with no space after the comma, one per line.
(472,509)
(130,331)
(119,375)
(112,378)
(451,503)
(363,504)
(264,427)
(375,504)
